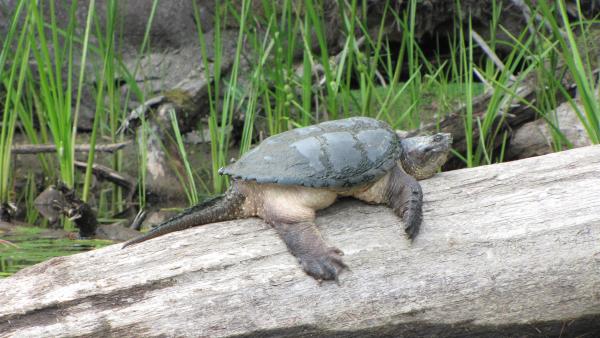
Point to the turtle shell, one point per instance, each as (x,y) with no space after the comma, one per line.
(340,153)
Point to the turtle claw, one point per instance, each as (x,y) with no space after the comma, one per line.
(412,221)
(318,260)
(323,266)
(334,250)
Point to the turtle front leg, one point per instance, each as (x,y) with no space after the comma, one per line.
(304,241)
(404,195)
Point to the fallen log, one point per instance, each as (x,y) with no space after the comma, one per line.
(505,250)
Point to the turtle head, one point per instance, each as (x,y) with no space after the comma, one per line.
(422,156)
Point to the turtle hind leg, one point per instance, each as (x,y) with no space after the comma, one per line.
(404,195)
(304,241)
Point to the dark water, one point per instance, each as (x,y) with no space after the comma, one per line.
(35,245)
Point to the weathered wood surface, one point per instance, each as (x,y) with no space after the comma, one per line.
(508,249)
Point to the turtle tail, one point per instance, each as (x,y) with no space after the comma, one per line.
(221,208)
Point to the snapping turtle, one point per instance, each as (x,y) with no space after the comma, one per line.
(289,176)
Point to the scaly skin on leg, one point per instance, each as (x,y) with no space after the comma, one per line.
(304,241)
(404,195)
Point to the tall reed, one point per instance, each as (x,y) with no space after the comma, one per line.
(13,83)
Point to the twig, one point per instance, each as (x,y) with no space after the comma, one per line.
(7,243)
(480,76)
(139,219)
(81,148)
(337,59)
(140,111)
(489,52)
(111,175)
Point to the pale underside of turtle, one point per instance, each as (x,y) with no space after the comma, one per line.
(289,176)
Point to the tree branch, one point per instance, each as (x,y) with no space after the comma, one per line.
(81,148)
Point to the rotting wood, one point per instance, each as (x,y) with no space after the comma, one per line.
(507,249)
(110,175)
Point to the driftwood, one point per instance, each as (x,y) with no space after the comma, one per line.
(22,149)
(505,250)
(111,175)
(535,138)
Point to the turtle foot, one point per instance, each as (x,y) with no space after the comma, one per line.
(322,266)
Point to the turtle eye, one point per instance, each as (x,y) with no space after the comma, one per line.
(437,138)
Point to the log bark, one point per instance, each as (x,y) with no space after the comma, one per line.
(511,249)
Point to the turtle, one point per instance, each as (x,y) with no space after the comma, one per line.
(289,176)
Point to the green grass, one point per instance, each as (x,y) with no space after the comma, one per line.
(13,83)
(189,185)
(579,65)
